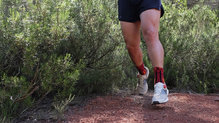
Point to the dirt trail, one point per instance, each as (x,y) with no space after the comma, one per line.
(181,108)
(127,108)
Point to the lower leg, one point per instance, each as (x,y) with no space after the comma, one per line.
(155,52)
(135,54)
(150,27)
(131,33)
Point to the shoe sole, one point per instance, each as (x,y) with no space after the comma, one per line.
(157,102)
(142,94)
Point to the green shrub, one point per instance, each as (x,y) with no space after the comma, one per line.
(190,39)
(95,37)
(29,65)
(55,47)
(59,75)
(13,95)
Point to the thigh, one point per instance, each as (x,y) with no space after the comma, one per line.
(131,32)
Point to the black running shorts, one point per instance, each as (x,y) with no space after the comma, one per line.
(130,10)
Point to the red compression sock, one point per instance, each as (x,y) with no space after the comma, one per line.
(141,69)
(158,75)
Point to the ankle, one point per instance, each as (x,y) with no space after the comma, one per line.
(141,69)
(158,75)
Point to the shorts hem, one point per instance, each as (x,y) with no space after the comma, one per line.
(158,8)
(153,7)
(131,21)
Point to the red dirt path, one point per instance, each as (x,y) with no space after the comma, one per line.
(181,108)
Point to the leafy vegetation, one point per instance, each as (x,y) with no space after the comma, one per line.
(61,106)
(74,47)
(191,45)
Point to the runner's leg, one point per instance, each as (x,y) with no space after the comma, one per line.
(150,20)
(131,34)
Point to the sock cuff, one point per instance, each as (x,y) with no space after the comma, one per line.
(158,75)
(141,69)
(158,69)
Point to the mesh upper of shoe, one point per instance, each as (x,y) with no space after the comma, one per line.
(142,85)
(160,93)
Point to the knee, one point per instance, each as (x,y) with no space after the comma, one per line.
(150,34)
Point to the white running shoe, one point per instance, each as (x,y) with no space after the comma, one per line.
(160,93)
(142,87)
